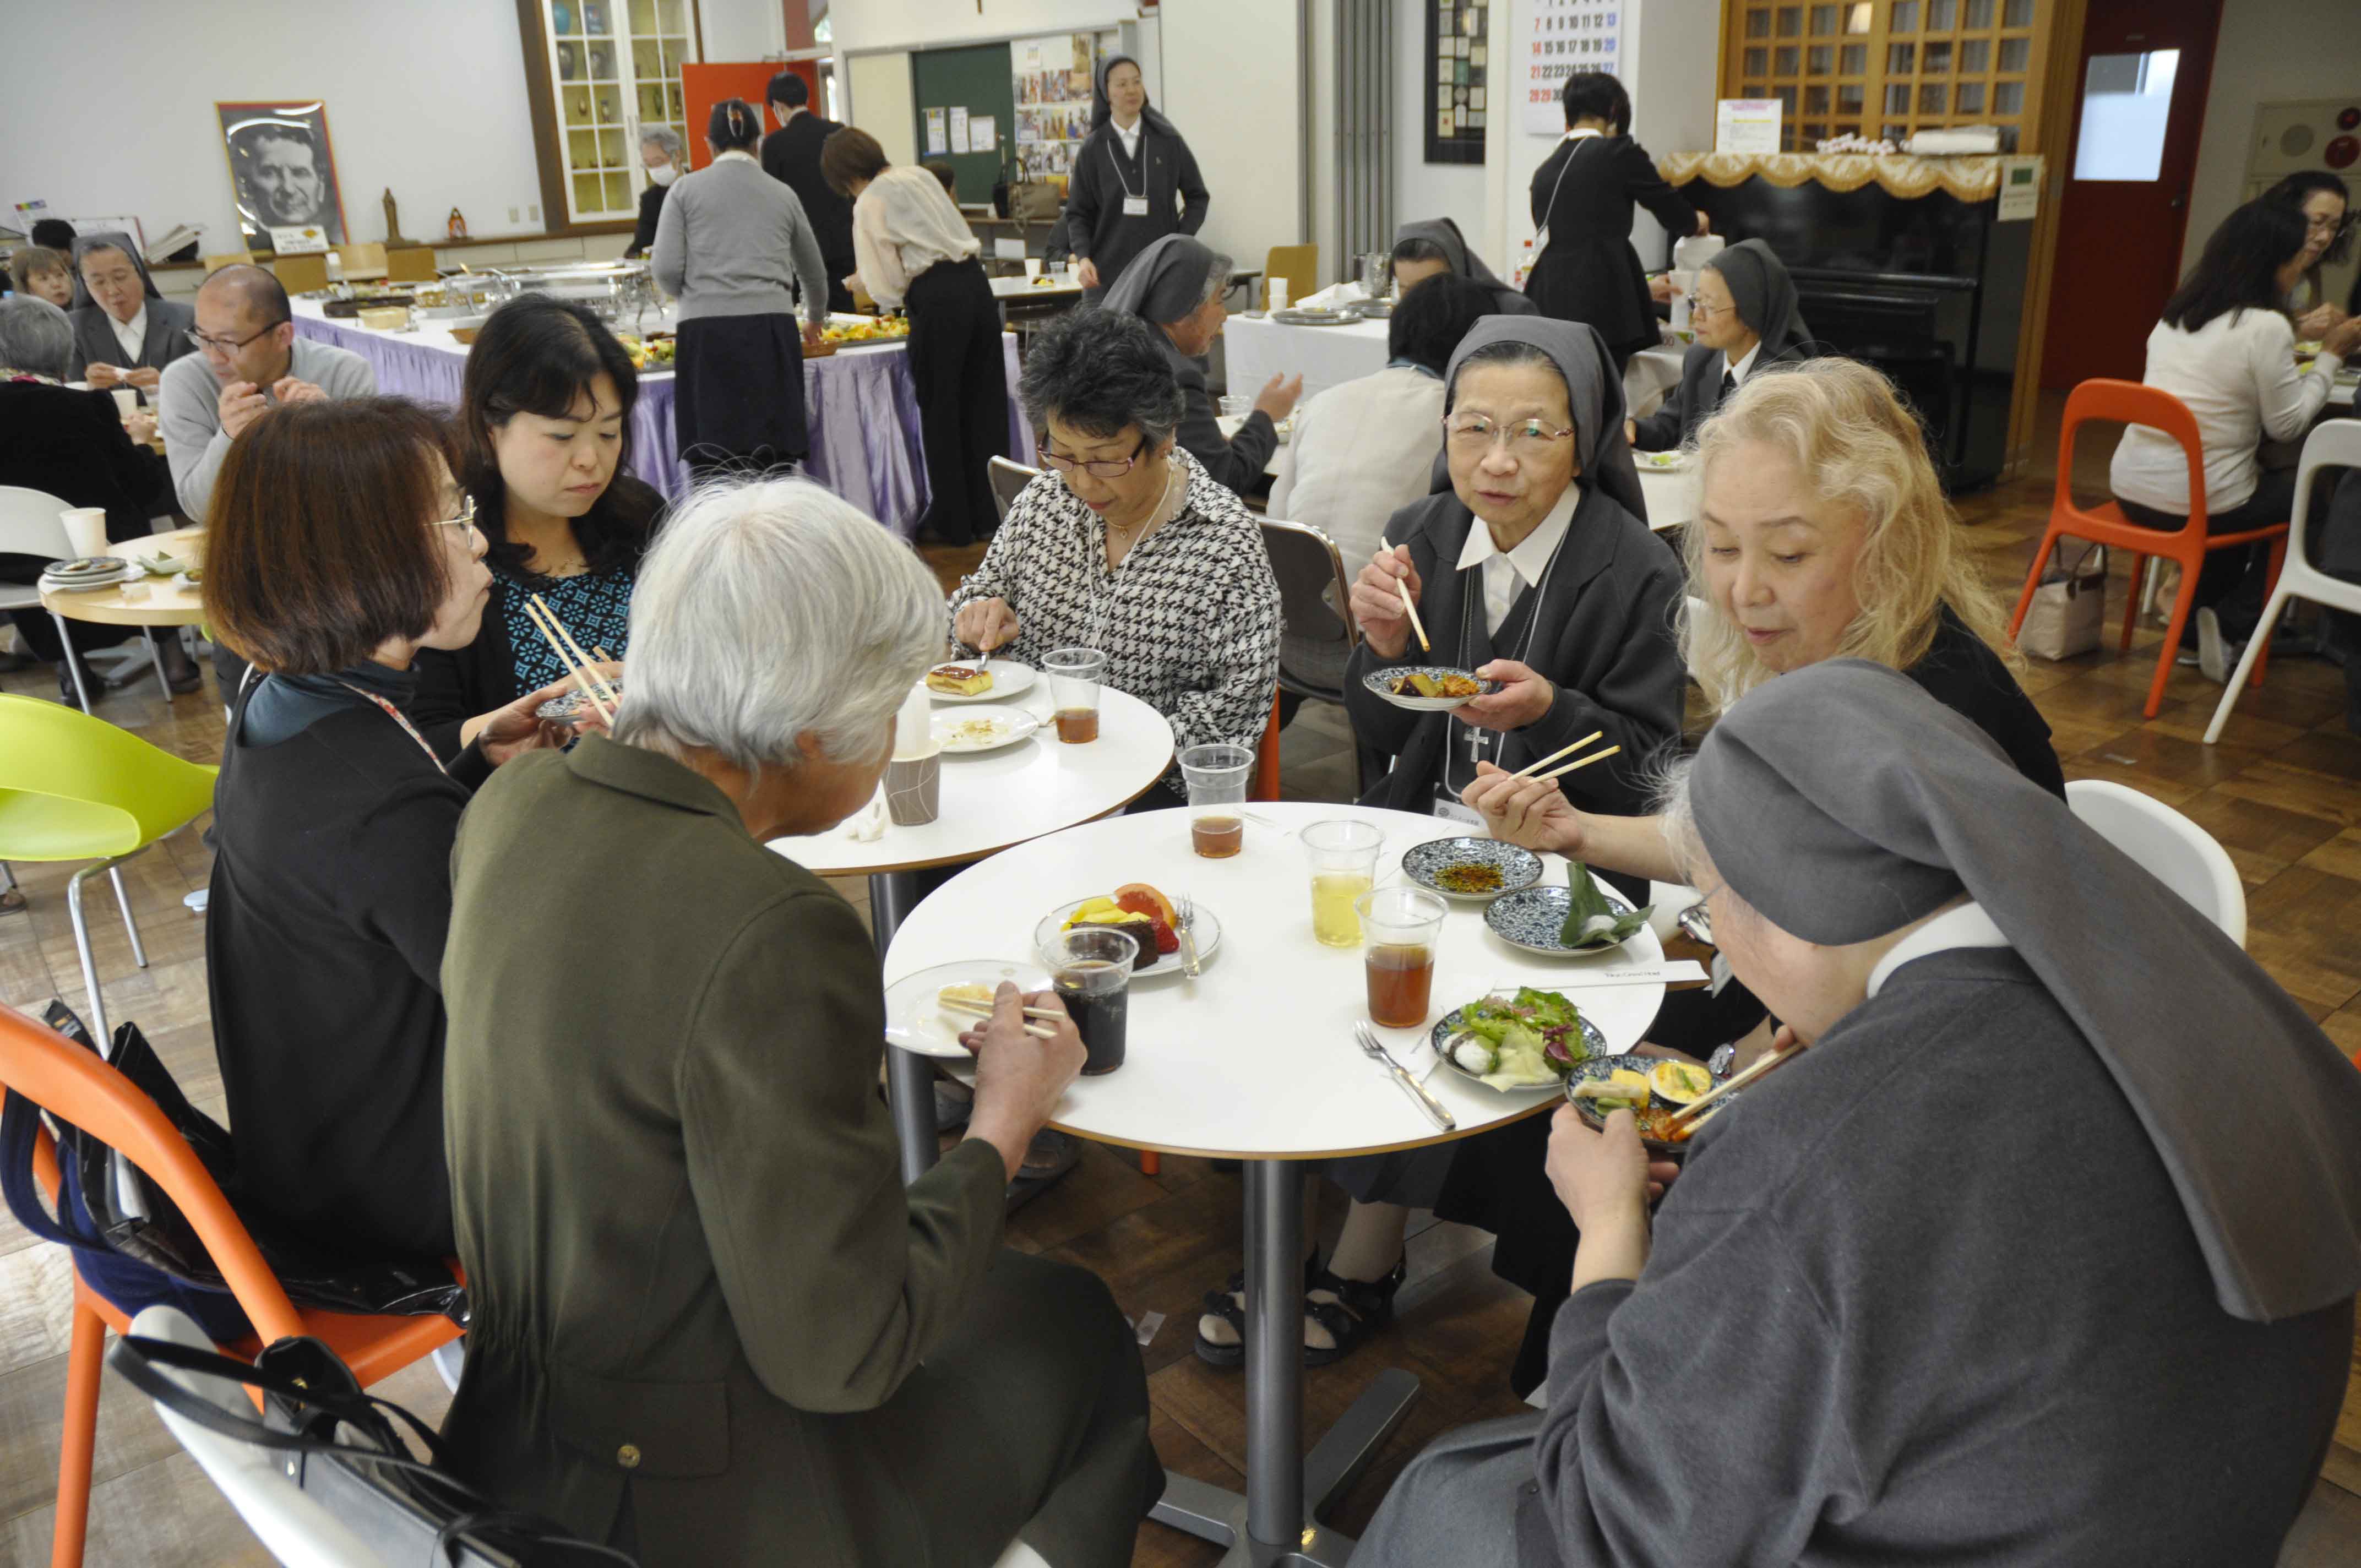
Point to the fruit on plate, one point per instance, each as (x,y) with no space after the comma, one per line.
(868,329)
(1143,899)
(1136,909)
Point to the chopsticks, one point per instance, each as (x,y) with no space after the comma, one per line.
(575,664)
(1401,587)
(1582,763)
(1527,771)
(1761,1065)
(979,1010)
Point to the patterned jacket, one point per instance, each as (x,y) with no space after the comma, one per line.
(1189,621)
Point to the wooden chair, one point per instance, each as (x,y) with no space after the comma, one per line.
(63,1079)
(302,274)
(230,258)
(2334,443)
(413,263)
(363,261)
(2131,402)
(1299,264)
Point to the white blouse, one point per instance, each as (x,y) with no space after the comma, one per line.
(1361,452)
(2238,375)
(903,222)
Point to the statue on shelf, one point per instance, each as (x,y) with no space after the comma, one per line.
(392,221)
(458,225)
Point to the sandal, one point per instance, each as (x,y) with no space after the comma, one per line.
(1228,1304)
(1351,1310)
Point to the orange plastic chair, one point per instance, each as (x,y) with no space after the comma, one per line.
(70,1082)
(1265,776)
(2132,402)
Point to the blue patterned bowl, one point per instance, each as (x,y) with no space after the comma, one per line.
(1383,681)
(1533,919)
(1425,864)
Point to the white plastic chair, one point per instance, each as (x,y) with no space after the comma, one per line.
(295,1528)
(30,525)
(2168,846)
(2333,444)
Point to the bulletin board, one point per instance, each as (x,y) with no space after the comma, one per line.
(954,89)
(1458,71)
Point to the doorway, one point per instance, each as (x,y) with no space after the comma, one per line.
(2145,65)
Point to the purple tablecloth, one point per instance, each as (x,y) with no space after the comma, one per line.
(861,405)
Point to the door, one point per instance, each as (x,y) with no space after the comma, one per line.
(2145,67)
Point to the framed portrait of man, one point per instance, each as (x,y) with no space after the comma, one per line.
(282,171)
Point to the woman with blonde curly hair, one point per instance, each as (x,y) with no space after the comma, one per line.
(1822,535)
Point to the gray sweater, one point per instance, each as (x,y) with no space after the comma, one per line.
(1929,1294)
(732,241)
(188,412)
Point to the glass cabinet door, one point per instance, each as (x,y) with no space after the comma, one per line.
(615,65)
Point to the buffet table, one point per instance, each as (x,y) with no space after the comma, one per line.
(860,404)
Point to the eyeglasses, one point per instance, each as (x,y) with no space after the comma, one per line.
(466,518)
(1105,468)
(224,344)
(1699,307)
(1525,437)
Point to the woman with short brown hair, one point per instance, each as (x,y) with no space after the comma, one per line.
(339,546)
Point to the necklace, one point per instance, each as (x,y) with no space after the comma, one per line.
(1163,499)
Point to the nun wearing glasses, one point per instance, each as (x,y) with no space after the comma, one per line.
(1535,569)
(1128,546)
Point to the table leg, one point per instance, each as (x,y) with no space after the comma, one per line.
(156,659)
(909,1077)
(65,642)
(1271,1526)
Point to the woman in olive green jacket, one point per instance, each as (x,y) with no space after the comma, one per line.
(711,1326)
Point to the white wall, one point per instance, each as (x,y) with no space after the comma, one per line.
(883,103)
(1231,84)
(2267,50)
(859,25)
(430,102)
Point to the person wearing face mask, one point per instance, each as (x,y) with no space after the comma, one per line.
(1744,308)
(1176,286)
(340,546)
(663,156)
(545,429)
(2323,199)
(126,336)
(249,360)
(1135,181)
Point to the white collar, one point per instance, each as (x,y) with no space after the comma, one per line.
(138,323)
(1532,552)
(1745,367)
(791,114)
(1966,926)
(1586,131)
(738,153)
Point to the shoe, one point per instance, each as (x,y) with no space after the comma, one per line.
(2216,656)
(1047,1160)
(953,1105)
(2186,658)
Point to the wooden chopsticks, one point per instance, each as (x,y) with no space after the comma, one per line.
(1401,587)
(1581,762)
(574,663)
(982,1010)
(1530,768)
(1761,1065)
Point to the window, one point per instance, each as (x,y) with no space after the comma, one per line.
(1922,63)
(2127,98)
(614,73)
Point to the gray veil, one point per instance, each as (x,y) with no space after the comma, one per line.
(1594,395)
(1765,297)
(1163,282)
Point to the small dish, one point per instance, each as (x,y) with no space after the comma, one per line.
(1008,679)
(1206,929)
(1532,917)
(1662,462)
(1448,1029)
(916,1019)
(1599,1067)
(1430,866)
(983,729)
(565,708)
(1381,682)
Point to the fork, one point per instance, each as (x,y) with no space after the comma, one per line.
(1374,1049)
(1190,963)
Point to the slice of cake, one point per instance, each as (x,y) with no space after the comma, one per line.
(959,680)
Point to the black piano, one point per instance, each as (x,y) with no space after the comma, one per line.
(1929,288)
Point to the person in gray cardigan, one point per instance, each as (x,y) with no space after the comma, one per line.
(1746,319)
(733,247)
(2009,1263)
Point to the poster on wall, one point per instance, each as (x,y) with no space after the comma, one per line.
(281,170)
(1052,91)
(1458,55)
(1567,38)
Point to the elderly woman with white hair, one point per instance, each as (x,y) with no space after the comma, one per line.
(665,157)
(710,1320)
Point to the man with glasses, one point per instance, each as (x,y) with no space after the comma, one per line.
(124,338)
(248,358)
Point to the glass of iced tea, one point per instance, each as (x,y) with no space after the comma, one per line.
(1344,855)
(1400,928)
(1091,969)
(1217,777)
(1075,675)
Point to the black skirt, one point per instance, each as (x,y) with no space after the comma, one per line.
(738,391)
(1598,281)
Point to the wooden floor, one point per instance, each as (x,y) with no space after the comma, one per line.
(2282,793)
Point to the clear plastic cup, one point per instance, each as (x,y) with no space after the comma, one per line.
(1217,777)
(1075,675)
(1400,929)
(1091,969)
(1343,856)
(1237,405)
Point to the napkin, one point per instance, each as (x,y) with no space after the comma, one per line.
(867,825)
(1332,296)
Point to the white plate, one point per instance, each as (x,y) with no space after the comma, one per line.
(917,1021)
(1208,934)
(1662,462)
(1380,683)
(983,728)
(1008,679)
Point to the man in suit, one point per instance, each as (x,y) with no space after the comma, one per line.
(124,338)
(791,155)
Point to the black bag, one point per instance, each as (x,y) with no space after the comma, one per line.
(348,1454)
(145,1227)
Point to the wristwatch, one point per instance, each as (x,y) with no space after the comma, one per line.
(1723,1058)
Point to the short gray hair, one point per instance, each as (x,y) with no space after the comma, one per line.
(35,335)
(769,607)
(663,137)
(1218,273)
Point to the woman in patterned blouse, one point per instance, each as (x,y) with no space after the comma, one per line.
(1130,547)
(546,418)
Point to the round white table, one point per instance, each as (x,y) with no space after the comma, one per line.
(1255,1059)
(1672,494)
(990,800)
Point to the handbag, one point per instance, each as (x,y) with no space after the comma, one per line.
(346,1451)
(2070,606)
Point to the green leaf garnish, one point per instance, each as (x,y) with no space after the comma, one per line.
(1590,920)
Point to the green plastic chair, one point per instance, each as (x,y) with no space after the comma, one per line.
(77,788)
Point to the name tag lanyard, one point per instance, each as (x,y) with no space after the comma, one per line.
(1485,745)
(1134,206)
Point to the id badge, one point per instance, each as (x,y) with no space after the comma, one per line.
(1451,810)
(1135,206)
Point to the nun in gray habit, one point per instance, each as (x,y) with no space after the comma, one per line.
(1176,286)
(1769,331)
(2043,1251)
(1439,239)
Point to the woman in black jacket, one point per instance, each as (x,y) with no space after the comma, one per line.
(665,159)
(544,425)
(1582,198)
(1135,181)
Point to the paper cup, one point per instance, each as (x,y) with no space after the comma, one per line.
(126,400)
(85,530)
(1032,267)
(914,789)
(1278,293)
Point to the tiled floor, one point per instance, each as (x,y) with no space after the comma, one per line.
(2282,792)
